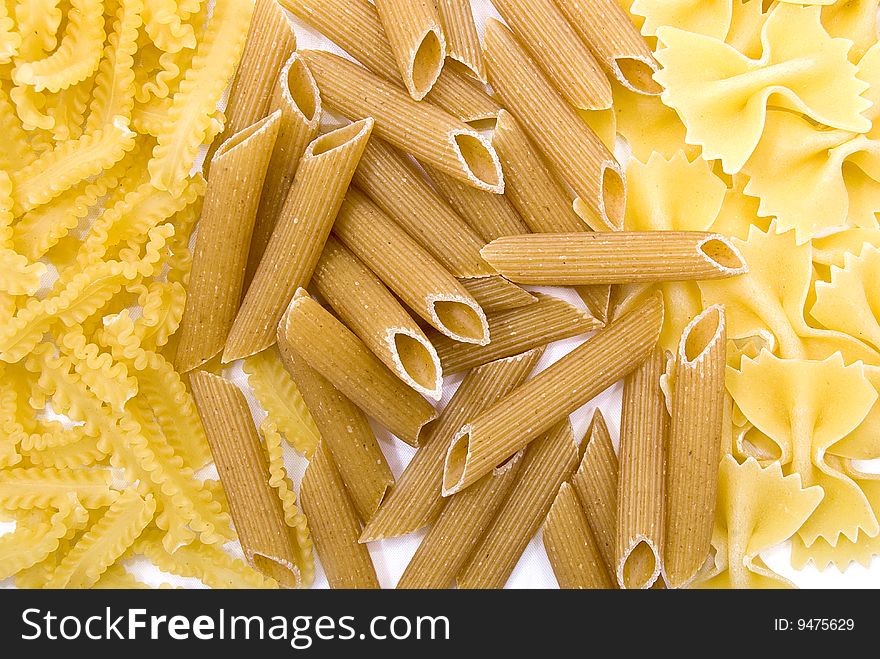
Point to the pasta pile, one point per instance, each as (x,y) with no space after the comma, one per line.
(701,174)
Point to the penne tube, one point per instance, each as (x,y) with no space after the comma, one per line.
(416,38)
(354,25)
(296,95)
(618,45)
(409,271)
(415,500)
(333,350)
(576,154)
(430,134)
(624,257)
(304,223)
(558,50)
(269,544)
(571,546)
(497,294)
(501,430)
(515,331)
(693,450)
(363,303)
(462,40)
(449,543)
(595,483)
(335,526)
(346,434)
(547,464)
(640,493)
(395,184)
(224,233)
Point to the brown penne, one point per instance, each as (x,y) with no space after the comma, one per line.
(497,294)
(462,40)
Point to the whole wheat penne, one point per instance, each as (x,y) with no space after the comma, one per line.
(335,352)
(518,418)
(547,464)
(397,186)
(304,223)
(416,38)
(354,26)
(595,483)
(640,493)
(571,546)
(346,433)
(496,293)
(296,95)
(623,257)
(622,51)
(224,233)
(377,318)
(515,331)
(558,50)
(408,270)
(335,525)
(694,445)
(415,500)
(269,544)
(576,154)
(452,538)
(427,132)
(462,40)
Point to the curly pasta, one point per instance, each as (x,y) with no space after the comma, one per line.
(165,26)
(26,488)
(107,378)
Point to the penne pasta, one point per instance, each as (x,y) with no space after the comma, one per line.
(364,304)
(497,294)
(304,223)
(577,155)
(335,526)
(430,134)
(624,257)
(296,95)
(270,545)
(346,433)
(333,350)
(501,430)
(515,331)
(395,184)
(417,41)
(465,517)
(543,30)
(547,464)
(618,45)
(640,493)
(415,500)
(571,546)
(693,450)
(462,40)
(409,271)
(224,233)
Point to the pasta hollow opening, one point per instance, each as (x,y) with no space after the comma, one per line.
(418,362)
(613,196)
(479,160)
(719,250)
(702,333)
(461,320)
(427,63)
(336,138)
(640,566)
(284,574)
(456,460)
(243,136)
(302,89)
(639,74)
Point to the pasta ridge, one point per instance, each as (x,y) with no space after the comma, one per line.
(166,27)
(26,488)
(31,544)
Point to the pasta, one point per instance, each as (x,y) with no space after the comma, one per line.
(462,40)
(336,353)
(296,243)
(496,293)
(417,41)
(647,125)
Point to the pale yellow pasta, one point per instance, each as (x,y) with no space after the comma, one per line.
(416,38)
(711,17)
(462,40)
(29,488)
(648,125)
(165,27)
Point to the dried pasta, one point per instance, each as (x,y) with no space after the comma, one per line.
(462,40)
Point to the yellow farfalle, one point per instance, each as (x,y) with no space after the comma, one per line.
(832,249)
(855,20)
(863,443)
(648,125)
(709,17)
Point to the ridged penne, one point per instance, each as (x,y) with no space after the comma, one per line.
(518,418)
(578,157)
(693,447)
(415,500)
(462,40)
(377,318)
(336,353)
(452,538)
(417,41)
(335,525)
(496,293)
(259,517)
(427,132)
(640,491)
(303,225)
(547,464)
(623,257)
(409,271)
(515,331)
(224,232)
